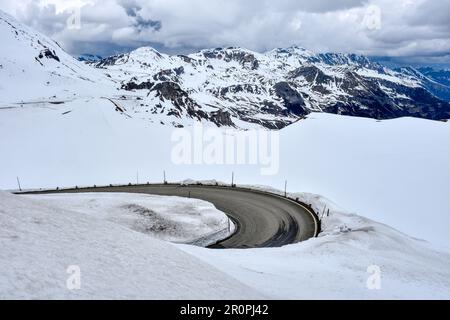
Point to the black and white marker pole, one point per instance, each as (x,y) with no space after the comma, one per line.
(18,183)
(285,188)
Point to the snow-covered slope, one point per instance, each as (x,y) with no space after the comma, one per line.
(395,171)
(272,89)
(45,243)
(174,219)
(41,242)
(34,68)
(344,262)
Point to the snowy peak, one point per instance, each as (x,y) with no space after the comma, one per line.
(22,43)
(34,67)
(295,52)
(245,58)
(89,58)
(336,59)
(147,53)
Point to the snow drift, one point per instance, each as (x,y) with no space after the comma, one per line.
(40,242)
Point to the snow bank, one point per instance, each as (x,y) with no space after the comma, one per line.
(40,242)
(174,219)
(339,264)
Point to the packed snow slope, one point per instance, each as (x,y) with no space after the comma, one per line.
(174,219)
(40,241)
(344,262)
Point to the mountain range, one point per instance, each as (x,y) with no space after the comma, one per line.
(230,86)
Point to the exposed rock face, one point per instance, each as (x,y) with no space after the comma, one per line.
(221,118)
(110,61)
(246,59)
(137,86)
(180,100)
(293,100)
(170,91)
(47,53)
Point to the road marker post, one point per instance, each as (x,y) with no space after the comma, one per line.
(323,212)
(18,182)
(285,188)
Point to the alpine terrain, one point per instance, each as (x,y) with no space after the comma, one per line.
(231,87)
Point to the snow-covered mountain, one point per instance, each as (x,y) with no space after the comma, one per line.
(35,68)
(226,86)
(272,89)
(436,81)
(89,57)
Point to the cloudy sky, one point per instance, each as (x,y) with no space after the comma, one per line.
(415,30)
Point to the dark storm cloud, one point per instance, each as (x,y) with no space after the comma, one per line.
(142,24)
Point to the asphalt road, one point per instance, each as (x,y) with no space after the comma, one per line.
(262,219)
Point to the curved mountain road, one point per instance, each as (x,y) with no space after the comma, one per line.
(262,219)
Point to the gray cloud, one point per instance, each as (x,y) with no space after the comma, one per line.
(317,6)
(418,29)
(432,13)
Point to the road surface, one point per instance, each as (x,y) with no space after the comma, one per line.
(262,219)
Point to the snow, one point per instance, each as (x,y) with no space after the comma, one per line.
(42,235)
(395,172)
(27,75)
(41,242)
(172,219)
(336,264)
(392,77)
(57,129)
